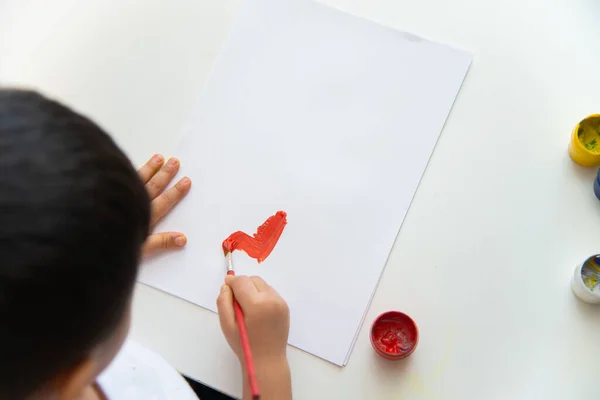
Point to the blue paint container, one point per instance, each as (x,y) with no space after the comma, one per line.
(597,185)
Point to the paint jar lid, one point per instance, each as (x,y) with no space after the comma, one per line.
(394,335)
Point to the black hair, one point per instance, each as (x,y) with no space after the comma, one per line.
(73,217)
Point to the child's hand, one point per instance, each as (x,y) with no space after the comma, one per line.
(268,321)
(266,313)
(156,180)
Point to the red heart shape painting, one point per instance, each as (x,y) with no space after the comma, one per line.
(259,245)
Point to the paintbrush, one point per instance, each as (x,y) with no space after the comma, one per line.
(241,323)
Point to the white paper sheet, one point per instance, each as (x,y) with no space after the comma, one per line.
(330,118)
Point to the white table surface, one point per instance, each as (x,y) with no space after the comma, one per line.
(484,258)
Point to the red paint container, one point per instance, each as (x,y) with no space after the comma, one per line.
(394,335)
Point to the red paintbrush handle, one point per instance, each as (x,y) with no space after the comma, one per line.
(245,341)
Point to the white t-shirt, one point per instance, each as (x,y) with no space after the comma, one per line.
(137,373)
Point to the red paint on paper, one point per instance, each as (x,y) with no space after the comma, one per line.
(259,245)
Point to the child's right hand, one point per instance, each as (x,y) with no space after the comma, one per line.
(268,321)
(266,313)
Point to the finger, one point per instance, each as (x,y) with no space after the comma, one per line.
(149,169)
(243,289)
(161,179)
(225,309)
(260,284)
(164,241)
(167,200)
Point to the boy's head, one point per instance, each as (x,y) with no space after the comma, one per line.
(73,216)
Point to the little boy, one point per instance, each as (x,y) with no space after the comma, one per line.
(75,220)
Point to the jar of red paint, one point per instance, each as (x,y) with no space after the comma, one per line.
(394,335)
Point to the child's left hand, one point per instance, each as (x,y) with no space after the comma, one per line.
(156,177)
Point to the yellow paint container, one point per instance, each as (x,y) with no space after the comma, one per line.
(584,148)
